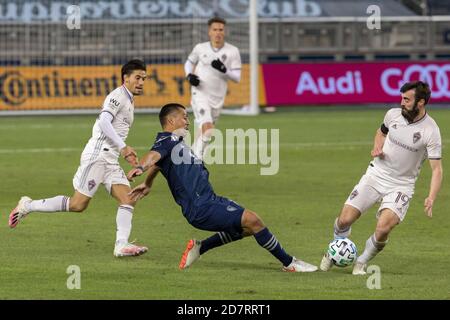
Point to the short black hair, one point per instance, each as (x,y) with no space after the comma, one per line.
(216,20)
(167,110)
(422,90)
(130,66)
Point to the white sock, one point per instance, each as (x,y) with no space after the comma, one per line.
(341,233)
(373,247)
(200,145)
(56,204)
(123,221)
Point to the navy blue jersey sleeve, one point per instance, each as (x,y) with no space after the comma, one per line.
(164,146)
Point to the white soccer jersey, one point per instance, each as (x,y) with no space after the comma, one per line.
(406,147)
(213,82)
(119,103)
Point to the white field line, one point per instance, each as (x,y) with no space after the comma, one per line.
(293,145)
(9,127)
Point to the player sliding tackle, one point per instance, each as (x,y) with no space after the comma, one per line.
(99,163)
(407,136)
(188,181)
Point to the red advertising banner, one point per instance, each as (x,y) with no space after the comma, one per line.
(338,83)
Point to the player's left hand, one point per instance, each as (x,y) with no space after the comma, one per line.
(218,65)
(428,204)
(139,192)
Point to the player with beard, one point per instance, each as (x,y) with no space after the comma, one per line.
(405,139)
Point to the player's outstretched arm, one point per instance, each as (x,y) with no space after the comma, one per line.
(378,144)
(126,152)
(143,189)
(147,162)
(435,186)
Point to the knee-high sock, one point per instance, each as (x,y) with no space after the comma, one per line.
(217,240)
(341,233)
(268,241)
(373,247)
(200,145)
(55,204)
(123,221)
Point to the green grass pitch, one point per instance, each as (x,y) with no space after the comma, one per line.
(323,153)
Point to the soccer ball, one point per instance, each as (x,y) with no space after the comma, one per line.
(342,252)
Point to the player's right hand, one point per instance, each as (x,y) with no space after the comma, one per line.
(377,152)
(129,155)
(139,192)
(193,79)
(135,172)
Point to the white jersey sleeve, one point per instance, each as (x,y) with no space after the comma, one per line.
(235,59)
(434,145)
(195,55)
(389,116)
(119,105)
(105,124)
(113,103)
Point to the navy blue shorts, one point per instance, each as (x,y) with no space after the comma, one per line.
(219,215)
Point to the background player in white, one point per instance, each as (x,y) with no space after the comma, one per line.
(208,68)
(406,138)
(99,162)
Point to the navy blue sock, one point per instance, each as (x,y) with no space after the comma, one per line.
(217,240)
(268,241)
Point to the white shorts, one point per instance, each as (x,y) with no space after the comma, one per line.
(206,108)
(91,174)
(369,191)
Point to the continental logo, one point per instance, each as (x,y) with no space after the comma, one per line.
(15,88)
(78,87)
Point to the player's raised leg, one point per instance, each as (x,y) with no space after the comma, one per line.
(251,225)
(377,241)
(77,203)
(124,217)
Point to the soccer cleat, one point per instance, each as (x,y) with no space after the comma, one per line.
(299,266)
(359,269)
(19,212)
(191,254)
(128,249)
(326,263)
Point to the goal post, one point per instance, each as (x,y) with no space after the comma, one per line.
(252,108)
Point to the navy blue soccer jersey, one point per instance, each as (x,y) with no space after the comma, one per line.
(186,175)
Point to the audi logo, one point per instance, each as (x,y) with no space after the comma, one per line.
(437,76)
